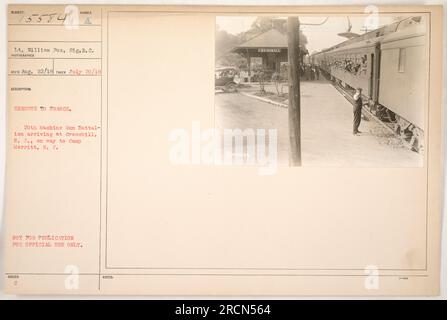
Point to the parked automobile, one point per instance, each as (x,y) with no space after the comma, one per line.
(226,79)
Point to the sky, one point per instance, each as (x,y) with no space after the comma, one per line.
(318,37)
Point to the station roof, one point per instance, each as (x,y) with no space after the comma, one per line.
(269,39)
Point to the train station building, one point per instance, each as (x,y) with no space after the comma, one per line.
(267,50)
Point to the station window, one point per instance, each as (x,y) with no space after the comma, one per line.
(401,65)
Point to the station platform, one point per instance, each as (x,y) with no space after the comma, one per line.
(326,128)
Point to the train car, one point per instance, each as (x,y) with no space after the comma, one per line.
(356,65)
(319,59)
(390,65)
(403,78)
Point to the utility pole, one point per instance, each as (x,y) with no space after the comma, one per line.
(293,32)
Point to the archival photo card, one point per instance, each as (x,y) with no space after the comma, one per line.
(223,150)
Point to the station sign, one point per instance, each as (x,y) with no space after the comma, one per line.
(269,50)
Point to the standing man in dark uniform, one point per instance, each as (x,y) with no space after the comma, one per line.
(358,104)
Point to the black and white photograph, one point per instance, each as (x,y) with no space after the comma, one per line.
(345,90)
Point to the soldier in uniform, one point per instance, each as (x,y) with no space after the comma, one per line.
(317,72)
(358,104)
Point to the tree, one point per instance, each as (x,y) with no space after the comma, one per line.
(225,41)
(263,24)
(280,77)
(261,77)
